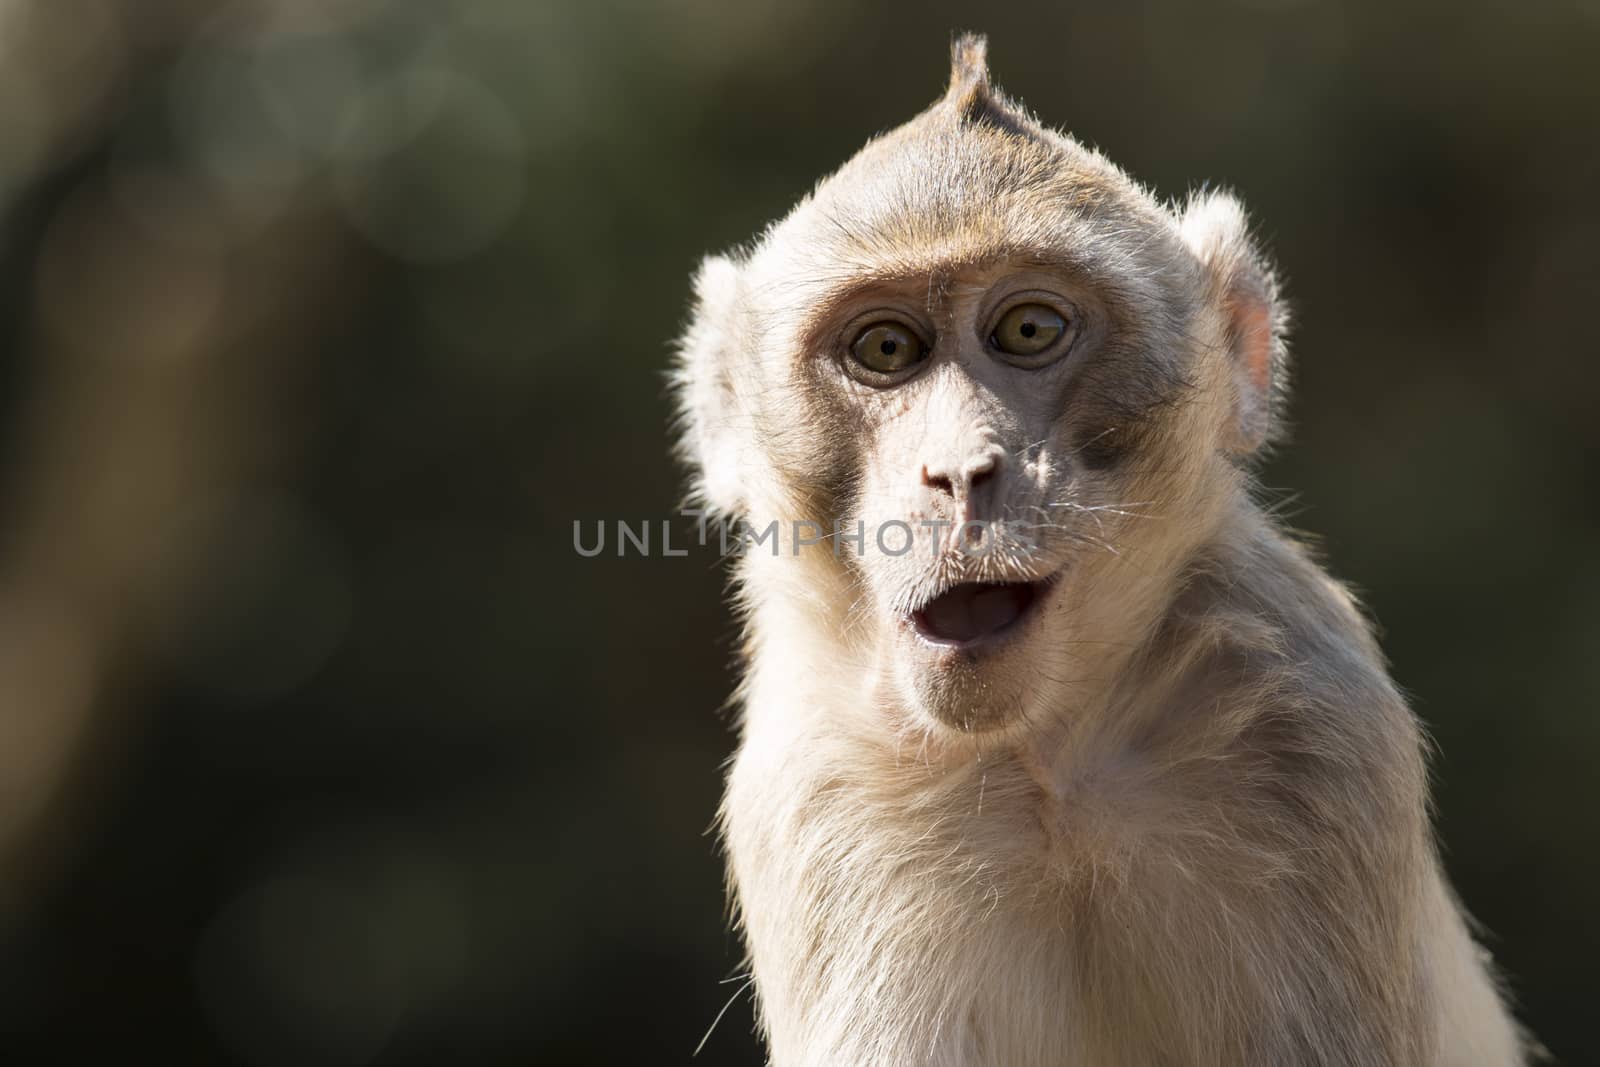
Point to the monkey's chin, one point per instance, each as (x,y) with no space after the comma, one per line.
(963,655)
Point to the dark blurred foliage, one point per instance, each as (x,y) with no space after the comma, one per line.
(323,321)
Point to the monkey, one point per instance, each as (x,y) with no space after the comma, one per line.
(1107,770)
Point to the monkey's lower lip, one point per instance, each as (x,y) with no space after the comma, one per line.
(972,612)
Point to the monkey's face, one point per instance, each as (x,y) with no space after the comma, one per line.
(982,445)
(1007,385)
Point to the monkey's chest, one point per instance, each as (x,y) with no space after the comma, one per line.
(885,941)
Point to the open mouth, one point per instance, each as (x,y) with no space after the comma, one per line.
(972,612)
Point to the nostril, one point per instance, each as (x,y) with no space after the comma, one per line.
(968,480)
(981,471)
(938,482)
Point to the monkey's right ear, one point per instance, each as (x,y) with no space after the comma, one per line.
(707,405)
(1241,286)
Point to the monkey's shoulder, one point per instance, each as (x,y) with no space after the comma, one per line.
(1273,678)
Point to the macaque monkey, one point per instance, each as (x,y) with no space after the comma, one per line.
(1086,761)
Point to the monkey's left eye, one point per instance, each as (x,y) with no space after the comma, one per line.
(888,348)
(1028,329)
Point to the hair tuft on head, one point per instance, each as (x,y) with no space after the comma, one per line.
(969,73)
(970,95)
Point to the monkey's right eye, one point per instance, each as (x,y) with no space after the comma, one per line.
(888,348)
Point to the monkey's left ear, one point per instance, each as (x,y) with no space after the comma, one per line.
(707,406)
(1244,290)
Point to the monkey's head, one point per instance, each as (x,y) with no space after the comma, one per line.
(1013,389)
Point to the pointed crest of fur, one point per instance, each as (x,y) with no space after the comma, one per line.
(970,96)
(969,74)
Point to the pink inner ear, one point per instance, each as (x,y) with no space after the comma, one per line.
(1252,325)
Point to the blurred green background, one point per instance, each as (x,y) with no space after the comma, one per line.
(324,319)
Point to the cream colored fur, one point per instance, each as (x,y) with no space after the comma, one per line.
(1185,820)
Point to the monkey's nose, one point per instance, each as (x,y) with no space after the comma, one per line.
(965,481)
